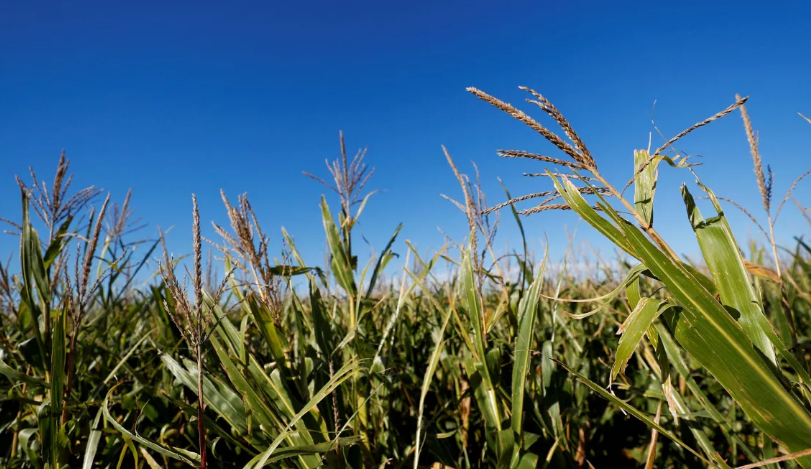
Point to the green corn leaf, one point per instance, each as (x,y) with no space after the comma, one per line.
(632,291)
(15,376)
(576,201)
(645,185)
(633,411)
(526,461)
(339,377)
(322,327)
(290,270)
(58,243)
(226,329)
(632,330)
(476,315)
(363,204)
(297,256)
(607,299)
(382,261)
(176,453)
(505,448)
(723,258)
(426,381)
(404,294)
(525,336)
(275,389)
(675,359)
(735,289)
(288,240)
(340,263)
(33,274)
(254,406)
(230,408)
(213,427)
(58,353)
(92,441)
(25,442)
(305,450)
(266,325)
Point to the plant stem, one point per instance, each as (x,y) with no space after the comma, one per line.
(201,429)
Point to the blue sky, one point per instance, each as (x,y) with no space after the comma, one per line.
(170,98)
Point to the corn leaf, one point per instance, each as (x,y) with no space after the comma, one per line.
(58,353)
(644,184)
(723,258)
(632,330)
(340,376)
(476,315)
(382,261)
(176,453)
(426,381)
(524,339)
(340,263)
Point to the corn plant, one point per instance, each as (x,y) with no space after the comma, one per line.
(719,321)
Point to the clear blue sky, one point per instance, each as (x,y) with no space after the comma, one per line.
(171,98)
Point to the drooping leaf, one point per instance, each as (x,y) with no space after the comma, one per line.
(632,331)
(176,453)
(633,411)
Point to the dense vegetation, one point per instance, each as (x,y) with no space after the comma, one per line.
(650,361)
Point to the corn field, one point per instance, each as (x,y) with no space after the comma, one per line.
(113,354)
